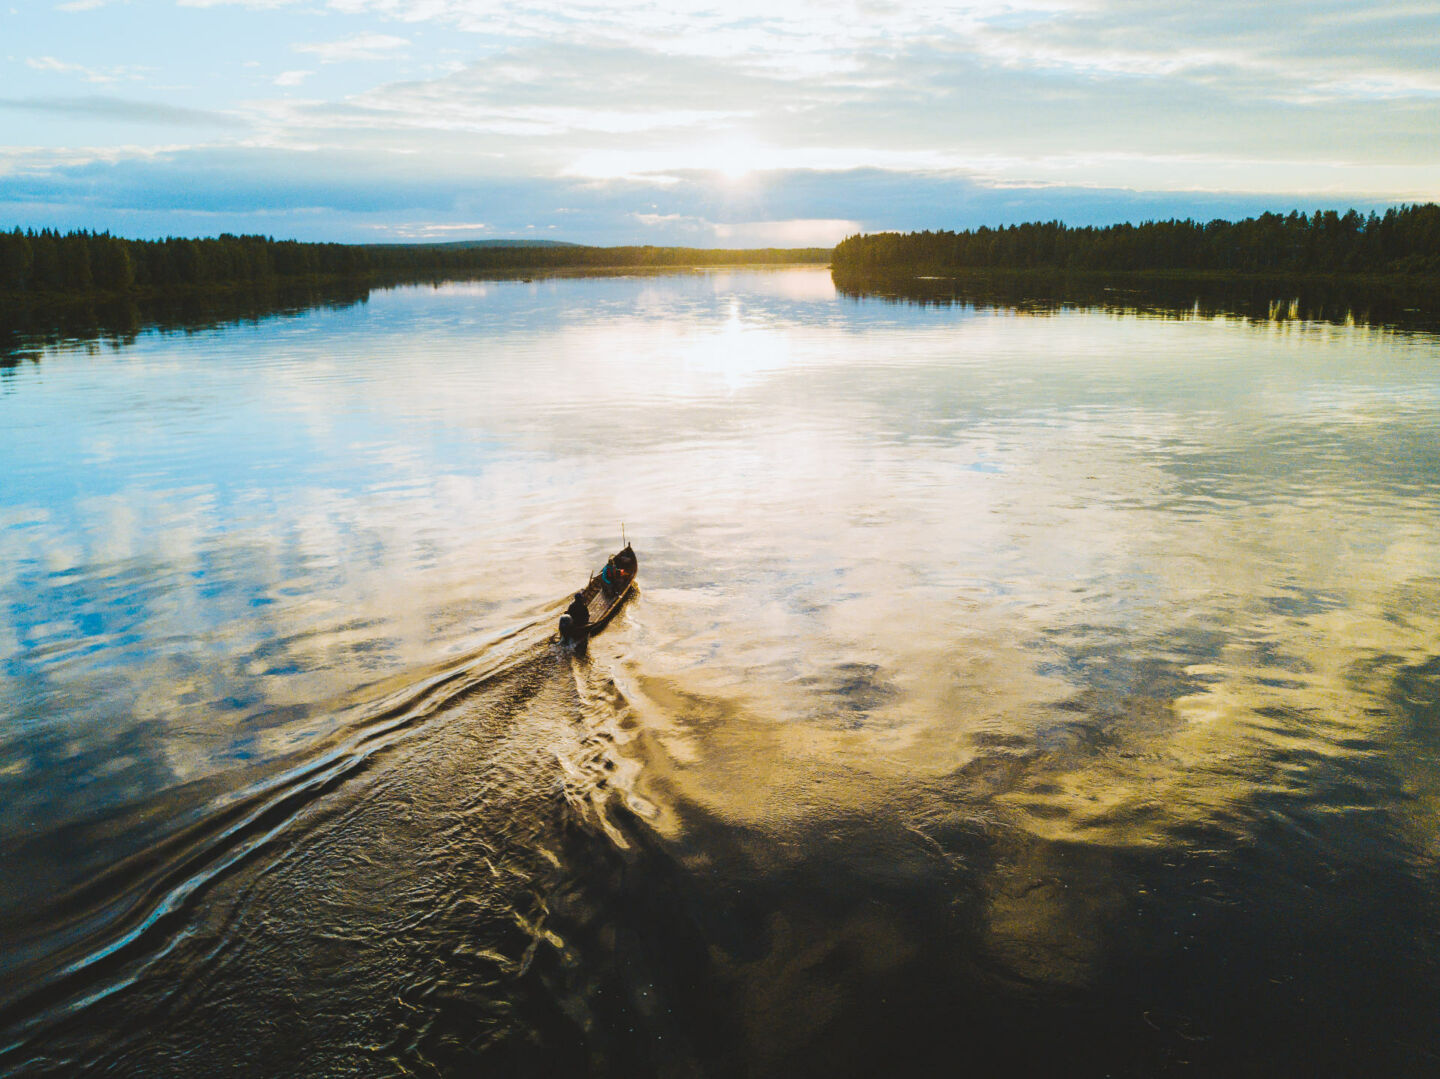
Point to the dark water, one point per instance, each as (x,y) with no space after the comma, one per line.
(1008,690)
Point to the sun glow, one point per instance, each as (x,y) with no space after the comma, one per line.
(732,159)
(735,159)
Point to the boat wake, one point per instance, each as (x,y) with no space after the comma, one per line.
(369,889)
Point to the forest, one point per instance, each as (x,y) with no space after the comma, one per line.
(1404,241)
(46,262)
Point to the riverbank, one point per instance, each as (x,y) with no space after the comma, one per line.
(1405,300)
(1146,277)
(89,266)
(15,302)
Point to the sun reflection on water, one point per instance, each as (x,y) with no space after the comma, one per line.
(972,648)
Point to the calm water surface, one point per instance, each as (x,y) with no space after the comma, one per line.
(1006,693)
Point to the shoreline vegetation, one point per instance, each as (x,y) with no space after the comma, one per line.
(1406,303)
(52,267)
(86,286)
(1404,243)
(1375,269)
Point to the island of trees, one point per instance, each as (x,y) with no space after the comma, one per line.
(1404,241)
(48,263)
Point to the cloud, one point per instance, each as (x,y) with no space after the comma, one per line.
(1092,111)
(797,232)
(89,74)
(1287,44)
(691,115)
(352,196)
(432,231)
(355,47)
(81,5)
(124,109)
(552,90)
(254,5)
(1284,46)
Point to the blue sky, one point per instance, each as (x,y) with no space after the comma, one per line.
(704,122)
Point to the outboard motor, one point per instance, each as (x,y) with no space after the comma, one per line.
(567,627)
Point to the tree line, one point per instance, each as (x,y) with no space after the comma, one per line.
(1404,240)
(51,262)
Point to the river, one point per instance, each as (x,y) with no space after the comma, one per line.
(1008,689)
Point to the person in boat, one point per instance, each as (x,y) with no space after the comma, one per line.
(625,562)
(614,577)
(578,612)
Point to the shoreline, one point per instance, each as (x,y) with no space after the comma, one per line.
(1141,278)
(1138,280)
(1408,302)
(51,299)
(33,320)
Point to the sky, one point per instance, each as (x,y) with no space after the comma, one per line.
(705,122)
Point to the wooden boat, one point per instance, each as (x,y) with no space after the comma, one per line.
(600,598)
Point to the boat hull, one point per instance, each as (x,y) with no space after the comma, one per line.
(601,602)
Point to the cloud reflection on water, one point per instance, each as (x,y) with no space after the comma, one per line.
(1008,603)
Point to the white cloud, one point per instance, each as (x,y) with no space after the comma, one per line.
(1286,41)
(120,109)
(355,47)
(81,5)
(525,120)
(796,232)
(1220,95)
(799,232)
(430,231)
(258,5)
(37,161)
(715,156)
(654,220)
(89,74)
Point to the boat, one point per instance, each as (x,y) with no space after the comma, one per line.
(601,597)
